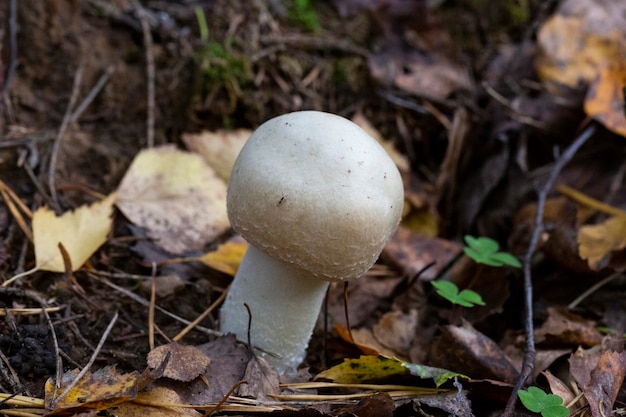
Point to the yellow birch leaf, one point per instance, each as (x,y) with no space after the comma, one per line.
(81,232)
(176,196)
(597,242)
(95,391)
(226,258)
(219,149)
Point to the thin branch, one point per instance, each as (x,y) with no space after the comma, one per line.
(530,352)
(12,52)
(78,77)
(92,94)
(82,373)
(148,43)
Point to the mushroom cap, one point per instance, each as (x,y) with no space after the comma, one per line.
(315,190)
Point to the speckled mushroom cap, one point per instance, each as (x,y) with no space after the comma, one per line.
(315,190)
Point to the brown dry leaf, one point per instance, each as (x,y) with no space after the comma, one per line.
(396,331)
(226,258)
(263,381)
(219,149)
(229,361)
(185,362)
(599,373)
(95,391)
(465,348)
(566,328)
(432,75)
(158,401)
(363,340)
(598,242)
(81,232)
(410,253)
(176,196)
(392,336)
(606,380)
(559,388)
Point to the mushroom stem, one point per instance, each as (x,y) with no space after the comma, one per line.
(284,301)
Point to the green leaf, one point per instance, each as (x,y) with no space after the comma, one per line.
(485,250)
(472,297)
(530,401)
(449,291)
(506,258)
(446,289)
(537,401)
(555,411)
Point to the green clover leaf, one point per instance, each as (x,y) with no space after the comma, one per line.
(484,250)
(537,401)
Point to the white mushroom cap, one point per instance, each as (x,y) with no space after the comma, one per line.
(315,190)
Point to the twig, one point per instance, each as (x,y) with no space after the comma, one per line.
(148,43)
(92,94)
(151,308)
(530,352)
(12,52)
(593,289)
(82,373)
(145,303)
(201,317)
(78,77)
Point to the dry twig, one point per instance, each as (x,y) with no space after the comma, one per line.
(530,352)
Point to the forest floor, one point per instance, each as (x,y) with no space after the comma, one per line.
(492,111)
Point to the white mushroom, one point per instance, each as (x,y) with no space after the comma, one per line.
(317,198)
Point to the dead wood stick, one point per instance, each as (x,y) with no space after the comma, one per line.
(542,195)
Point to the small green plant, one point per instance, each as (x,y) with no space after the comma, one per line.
(484,250)
(302,13)
(537,401)
(465,298)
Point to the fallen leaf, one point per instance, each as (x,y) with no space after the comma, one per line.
(262,381)
(379,368)
(396,330)
(184,364)
(559,388)
(229,361)
(226,258)
(81,232)
(466,348)
(176,196)
(598,242)
(566,328)
(95,391)
(411,252)
(606,380)
(157,401)
(605,98)
(599,373)
(584,45)
(219,149)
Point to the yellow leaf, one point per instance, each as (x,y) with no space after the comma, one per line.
(81,232)
(605,98)
(219,149)
(176,197)
(598,242)
(378,368)
(226,258)
(95,391)
(157,401)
